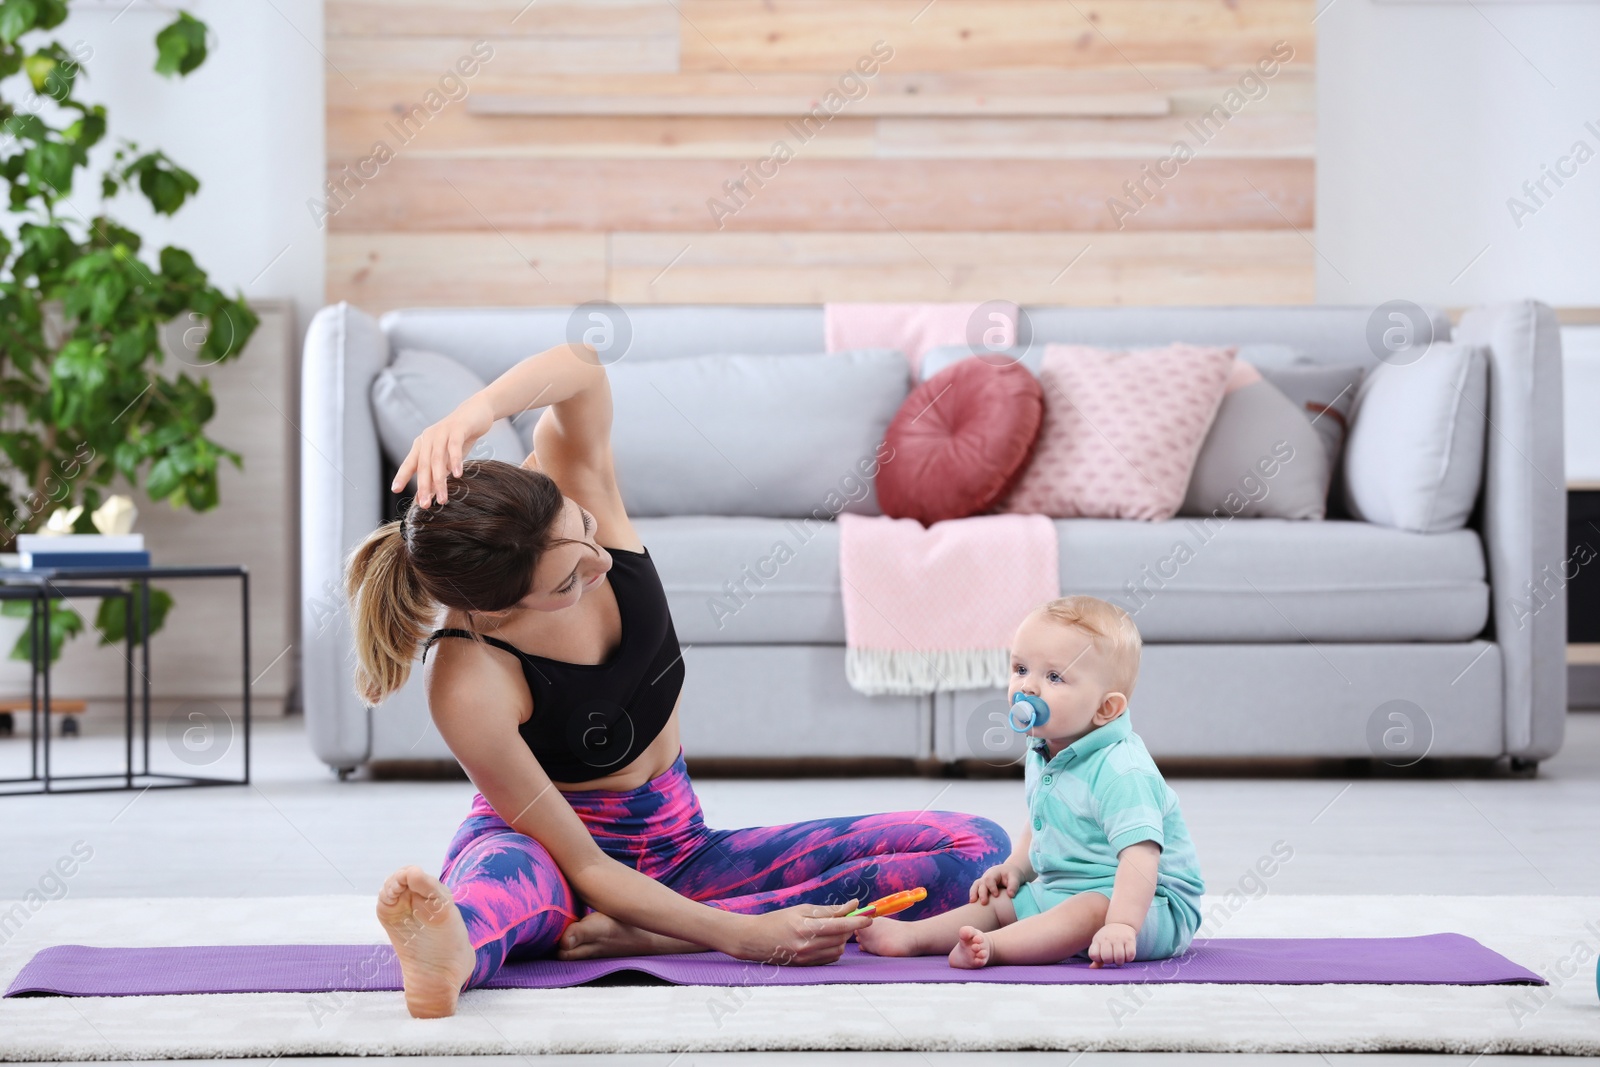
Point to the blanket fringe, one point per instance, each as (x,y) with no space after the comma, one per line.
(878,672)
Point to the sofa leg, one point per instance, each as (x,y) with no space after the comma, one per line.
(345,772)
(1527,767)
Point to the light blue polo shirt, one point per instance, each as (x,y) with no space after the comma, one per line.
(1099,795)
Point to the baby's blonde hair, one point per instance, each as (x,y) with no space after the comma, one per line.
(1112,629)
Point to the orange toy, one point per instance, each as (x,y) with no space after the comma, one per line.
(892,903)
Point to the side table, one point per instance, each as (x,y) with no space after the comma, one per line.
(132,586)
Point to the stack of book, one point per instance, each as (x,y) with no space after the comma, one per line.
(45,552)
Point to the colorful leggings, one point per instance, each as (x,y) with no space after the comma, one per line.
(516,902)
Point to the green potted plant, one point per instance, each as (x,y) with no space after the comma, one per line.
(86,390)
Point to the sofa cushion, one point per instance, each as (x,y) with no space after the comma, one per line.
(493,340)
(774,581)
(1415,456)
(1326,393)
(1261,458)
(1121,430)
(418,389)
(959,441)
(784,435)
(1280,580)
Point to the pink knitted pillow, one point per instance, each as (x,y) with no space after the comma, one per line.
(1121,430)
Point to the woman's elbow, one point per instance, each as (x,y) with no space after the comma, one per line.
(592,876)
(583,359)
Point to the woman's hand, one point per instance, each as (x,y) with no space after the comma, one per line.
(803,935)
(1002,878)
(439,450)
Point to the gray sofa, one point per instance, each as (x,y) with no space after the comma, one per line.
(1284,639)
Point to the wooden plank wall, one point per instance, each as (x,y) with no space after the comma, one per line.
(494,152)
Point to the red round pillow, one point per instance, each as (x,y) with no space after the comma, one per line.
(960,440)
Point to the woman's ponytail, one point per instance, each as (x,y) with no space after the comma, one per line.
(390,611)
(477,552)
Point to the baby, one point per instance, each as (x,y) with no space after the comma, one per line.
(1106,868)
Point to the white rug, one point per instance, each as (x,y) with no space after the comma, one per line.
(1556,936)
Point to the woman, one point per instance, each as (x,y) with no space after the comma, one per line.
(561,702)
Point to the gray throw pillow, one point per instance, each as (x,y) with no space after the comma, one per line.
(777,435)
(1261,459)
(1273,449)
(418,389)
(1325,393)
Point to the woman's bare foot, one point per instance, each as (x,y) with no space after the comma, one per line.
(972,950)
(890,937)
(429,938)
(598,935)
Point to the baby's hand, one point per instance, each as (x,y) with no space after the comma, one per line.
(1002,878)
(1114,943)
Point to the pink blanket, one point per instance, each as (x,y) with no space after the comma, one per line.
(915,328)
(929,609)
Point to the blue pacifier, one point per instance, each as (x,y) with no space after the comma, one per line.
(1035,711)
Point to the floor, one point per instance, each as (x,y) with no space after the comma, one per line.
(298,830)
(915,1059)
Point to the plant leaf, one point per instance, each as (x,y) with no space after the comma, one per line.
(39,66)
(181,47)
(17,17)
(112,620)
(163,479)
(165,184)
(49,165)
(64,623)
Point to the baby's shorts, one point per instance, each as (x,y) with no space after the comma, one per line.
(1166,932)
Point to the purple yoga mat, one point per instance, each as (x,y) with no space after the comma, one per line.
(1437,959)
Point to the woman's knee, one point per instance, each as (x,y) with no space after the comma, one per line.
(511,867)
(984,838)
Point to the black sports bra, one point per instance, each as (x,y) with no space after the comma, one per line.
(590,719)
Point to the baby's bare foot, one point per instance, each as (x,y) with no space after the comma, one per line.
(429,938)
(889,937)
(972,949)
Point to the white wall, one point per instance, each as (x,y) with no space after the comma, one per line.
(1430,116)
(248,124)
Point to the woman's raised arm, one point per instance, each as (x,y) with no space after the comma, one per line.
(568,379)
